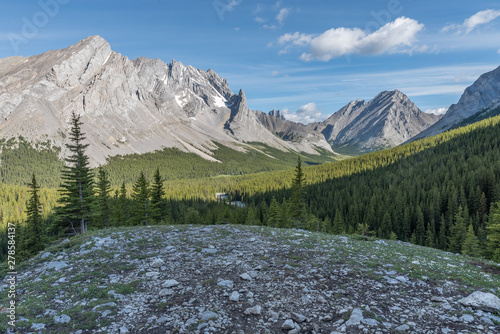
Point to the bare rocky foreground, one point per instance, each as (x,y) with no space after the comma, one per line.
(241,279)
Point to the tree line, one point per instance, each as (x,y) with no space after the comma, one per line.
(441,192)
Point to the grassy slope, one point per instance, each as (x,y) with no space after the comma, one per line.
(364,256)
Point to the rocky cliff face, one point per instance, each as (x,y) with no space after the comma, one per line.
(127,106)
(482,96)
(387,120)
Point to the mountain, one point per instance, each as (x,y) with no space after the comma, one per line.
(127,106)
(482,97)
(388,120)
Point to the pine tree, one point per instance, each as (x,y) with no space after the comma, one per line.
(120,212)
(35,237)
(338,225)
(429,236)
(77,188)
(420,228)
(297,204)
(470,245)
(493,233)
(140,198)
(103,212)
(457,232)
(385,228)
(157,200)
(274,214)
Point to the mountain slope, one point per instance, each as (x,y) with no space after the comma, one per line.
(127,106)
(388,120)
(481,97)
(246,279)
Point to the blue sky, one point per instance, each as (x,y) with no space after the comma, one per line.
(309,58)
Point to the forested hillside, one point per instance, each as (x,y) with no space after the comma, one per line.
(19,159)
(438,192)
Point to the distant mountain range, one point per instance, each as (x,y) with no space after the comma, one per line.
(142,105)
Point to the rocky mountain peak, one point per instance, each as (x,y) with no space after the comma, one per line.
(277,114)
(128,106)
(483,95)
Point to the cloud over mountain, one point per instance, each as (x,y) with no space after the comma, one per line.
(399,36)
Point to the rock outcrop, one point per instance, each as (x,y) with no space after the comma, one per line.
(249,279)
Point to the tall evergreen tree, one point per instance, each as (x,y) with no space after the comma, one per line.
(103,212)
(470,245)
(274,214)
(493,232)
(338,225)
(35,234)
(157,198)
(297,203)
(457,232)
(140,197)
(77,188)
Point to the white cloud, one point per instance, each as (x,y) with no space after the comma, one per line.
(269,26)
(296,39)
(398,36)
(275,73)
(307,113)
(472,22)
(282,15)
(498,51)
(438,111)
(259,19)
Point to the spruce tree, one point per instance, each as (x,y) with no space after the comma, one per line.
(457,232)
(77,189)
(35,235)
(157,200)
(493,233)
(470,245)
(141,202)
(338,225)
(103,198)
(297,203)
(274,214)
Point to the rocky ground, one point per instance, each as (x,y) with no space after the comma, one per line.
(244,279)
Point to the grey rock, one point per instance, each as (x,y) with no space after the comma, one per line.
(482,301)
(467,318)
(288,324)
(403,328)
(246,277)
(356,317)
(157,263)
(45,255)
(62,319)
(124,330)
(438,299)
(170,283)
(111,304)
(235,296)
(296,330)
(165,292)
(57,265)
(255,310)
(208,315)
(370,322)
(226,284)
(297,317)
(37,326)
(209,251)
